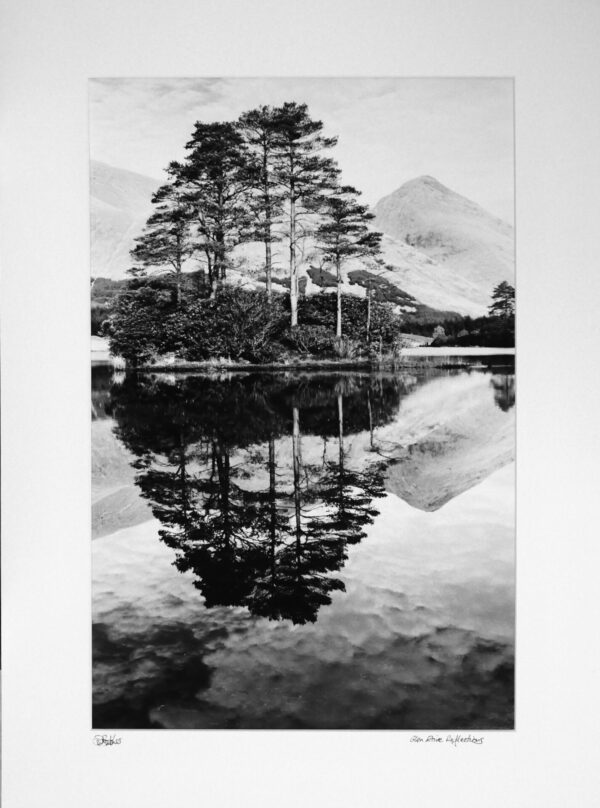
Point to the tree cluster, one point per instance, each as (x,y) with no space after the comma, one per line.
(496,330)
(267,177)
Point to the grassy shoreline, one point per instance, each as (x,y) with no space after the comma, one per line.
(410,358)
(409,362)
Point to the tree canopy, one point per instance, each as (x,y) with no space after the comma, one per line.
(167,241)
(503,300)
(343,233)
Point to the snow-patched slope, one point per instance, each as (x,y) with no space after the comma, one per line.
(431,282)
(451,230)
(457,276)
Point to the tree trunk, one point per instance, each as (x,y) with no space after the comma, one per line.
(178,284)
(338,326)
(268,263)
(213,273)
(209,268)
(178,270)
(219,259)
(371,445)
(368,313)
(293,267)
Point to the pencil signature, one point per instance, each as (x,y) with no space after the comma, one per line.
(452,739)
(106,740)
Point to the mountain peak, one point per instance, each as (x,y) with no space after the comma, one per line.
(451,230)
(426,179)
(424,185)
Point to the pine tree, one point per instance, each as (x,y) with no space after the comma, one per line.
(260,128)
(303,174)
(439,334)
(503,301)
(344,233)
(214,178)
(166,242)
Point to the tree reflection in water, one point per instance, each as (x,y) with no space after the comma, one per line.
(201,445)
(503,386)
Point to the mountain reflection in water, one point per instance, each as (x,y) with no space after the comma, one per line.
(259,485)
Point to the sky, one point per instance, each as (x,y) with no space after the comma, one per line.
(390,130)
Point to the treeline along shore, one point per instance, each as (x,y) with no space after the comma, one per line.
(266,178)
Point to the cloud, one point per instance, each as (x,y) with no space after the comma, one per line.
(390,130)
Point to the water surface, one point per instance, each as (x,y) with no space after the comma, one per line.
(309,550)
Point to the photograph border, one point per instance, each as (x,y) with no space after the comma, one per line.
(48,52)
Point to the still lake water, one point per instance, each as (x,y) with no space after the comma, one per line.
(304,550)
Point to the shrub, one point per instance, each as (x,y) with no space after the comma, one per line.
(321,310)
(439,336)
(99,314)
(316,340)
(237,324)
(134,334)
(144,323)
(240,324)
(346,348)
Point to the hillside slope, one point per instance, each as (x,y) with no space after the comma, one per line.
(121,203)
(453,231)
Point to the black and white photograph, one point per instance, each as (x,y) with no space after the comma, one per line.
(298,256)
(303,403)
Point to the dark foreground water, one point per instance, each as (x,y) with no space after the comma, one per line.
(304,551)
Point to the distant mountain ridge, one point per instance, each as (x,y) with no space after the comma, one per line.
(436,268)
